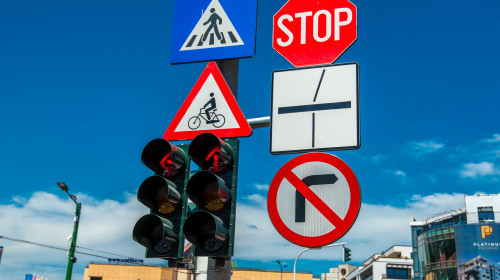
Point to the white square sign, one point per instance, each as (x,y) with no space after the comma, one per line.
(315,109)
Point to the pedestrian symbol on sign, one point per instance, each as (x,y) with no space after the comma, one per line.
(214,29)
(213,19)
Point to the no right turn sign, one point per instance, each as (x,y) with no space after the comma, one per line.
(314,199)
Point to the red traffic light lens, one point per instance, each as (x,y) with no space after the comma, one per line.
(163,158)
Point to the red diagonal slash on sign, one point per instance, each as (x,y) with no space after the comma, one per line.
(319,204)
(302,236)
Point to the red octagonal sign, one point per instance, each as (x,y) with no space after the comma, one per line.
(312,32)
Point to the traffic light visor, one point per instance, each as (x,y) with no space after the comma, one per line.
(164,158)
(159,194)
(206,231)
(155,233)
(208,191)
(211,153)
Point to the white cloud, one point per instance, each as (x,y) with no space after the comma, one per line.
(106,225)
(494,138)
(400,173)
(426,147)
(47,219)
(377,158)
(473,170)
(377,228)
(257,198)
(261,187)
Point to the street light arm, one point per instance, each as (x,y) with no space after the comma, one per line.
(295,263)
(72,197)
(313,248)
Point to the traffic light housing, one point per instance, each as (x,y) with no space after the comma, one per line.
(163,193)
(213,189)
(347,254)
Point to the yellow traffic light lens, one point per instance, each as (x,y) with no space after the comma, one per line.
(163,205)
(211,198)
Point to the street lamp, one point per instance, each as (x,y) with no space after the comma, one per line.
(71,255)
(281,268)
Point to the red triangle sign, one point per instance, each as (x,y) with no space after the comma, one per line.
(209,107)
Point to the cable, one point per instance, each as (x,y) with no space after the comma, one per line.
(102,252)
(62,249)
(98,256)
(33,243)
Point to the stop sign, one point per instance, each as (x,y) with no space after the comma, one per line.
(311,32)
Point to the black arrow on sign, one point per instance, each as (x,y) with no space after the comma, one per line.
(300,200)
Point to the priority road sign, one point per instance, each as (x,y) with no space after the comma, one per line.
(315,109)
(213,29)
(209,107)
(314,32)
(314,199)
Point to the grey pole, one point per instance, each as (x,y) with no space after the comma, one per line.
(313,248)
(206,267)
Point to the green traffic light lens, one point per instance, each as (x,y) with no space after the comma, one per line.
(206,231)
(155,233)
(161,244)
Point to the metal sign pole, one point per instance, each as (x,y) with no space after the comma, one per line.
(208,268)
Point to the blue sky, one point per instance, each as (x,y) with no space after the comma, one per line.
(85,85)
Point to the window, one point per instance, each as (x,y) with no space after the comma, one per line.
(485,214)
(398,273)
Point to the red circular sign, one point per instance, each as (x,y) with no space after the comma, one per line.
(307,32)
(342,225)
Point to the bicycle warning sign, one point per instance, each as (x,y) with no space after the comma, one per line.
(209,107)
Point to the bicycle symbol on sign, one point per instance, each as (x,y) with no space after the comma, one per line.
(207,113)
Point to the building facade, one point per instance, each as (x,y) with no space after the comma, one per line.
(338,273)
(394,263)
(479,268)
(141,272)
(433,240)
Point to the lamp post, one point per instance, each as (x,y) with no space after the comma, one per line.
(281,268)
(71,255)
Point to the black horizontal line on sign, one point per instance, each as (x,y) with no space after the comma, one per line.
(314,107)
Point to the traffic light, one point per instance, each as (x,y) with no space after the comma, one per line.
(347,254)
(213,189)
(163,193)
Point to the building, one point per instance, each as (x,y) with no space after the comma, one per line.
(479,268)
(338,273)
(141,272)
(433,239)
(394,263)
(96,271)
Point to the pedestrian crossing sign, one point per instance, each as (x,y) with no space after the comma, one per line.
(213,29)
